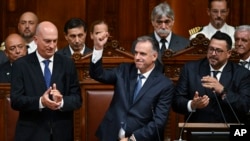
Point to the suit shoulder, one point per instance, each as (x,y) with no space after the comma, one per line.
(195,30)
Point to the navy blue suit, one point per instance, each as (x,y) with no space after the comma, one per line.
(28,85)
(138,117)
(234,78)
(5,72)
(66,51)
(3,57)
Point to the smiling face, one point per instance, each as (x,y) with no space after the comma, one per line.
(242,43)
(144,56)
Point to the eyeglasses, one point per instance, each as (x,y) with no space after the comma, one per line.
(167,22)
(216,50)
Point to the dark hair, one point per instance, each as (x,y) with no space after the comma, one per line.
(97,22)
(210,2)
(144,39)
(73,23)
(223,36)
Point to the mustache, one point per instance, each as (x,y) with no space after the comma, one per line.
(163,31)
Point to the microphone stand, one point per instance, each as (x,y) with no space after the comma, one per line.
(182,129)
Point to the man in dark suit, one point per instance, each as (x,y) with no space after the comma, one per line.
(162,19)
(15,47)
(132,116)
(242,44)
(45,104)
(75,32)
(210,99)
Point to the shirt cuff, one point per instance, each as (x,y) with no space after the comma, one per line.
(189,106)
(40,103)
(97,55)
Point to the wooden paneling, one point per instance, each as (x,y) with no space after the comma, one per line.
(127,19)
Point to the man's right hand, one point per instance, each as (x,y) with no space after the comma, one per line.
(199,102)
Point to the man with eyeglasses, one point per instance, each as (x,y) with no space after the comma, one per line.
(217,11)
(208,89)
(162,19)
(242,44)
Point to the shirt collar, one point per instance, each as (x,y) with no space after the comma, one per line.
(81,51)
(40,58)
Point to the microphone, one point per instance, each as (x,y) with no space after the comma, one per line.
(182,128)
(232,110)
(158,135)
(223,116)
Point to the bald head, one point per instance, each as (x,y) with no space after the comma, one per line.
(27,25)
(46,39)
(15,47)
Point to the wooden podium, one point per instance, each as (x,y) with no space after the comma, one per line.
(204,131)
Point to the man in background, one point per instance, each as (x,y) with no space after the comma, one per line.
(75,32)
(218,11)
(15,47)
(162,19)
(27,27)
(242,44)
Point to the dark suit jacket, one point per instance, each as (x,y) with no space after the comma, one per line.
(140,120)
(5,72)
(234,78)
(66,51)
(176,43)
(3,57)
(28,85)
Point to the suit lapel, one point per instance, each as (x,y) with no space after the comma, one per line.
(132,83)
(226,75)
(37,68)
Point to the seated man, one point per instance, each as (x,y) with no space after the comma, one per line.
(75,32)
(15,47)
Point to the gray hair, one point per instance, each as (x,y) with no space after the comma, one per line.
(243,28)
(163,9)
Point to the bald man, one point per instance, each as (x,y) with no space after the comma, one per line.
(45,105)
(26,27)
(15,47)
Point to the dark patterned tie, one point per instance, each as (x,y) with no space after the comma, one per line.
(138,86)
(215,74)
(47,73)
(163,46)
(243,63)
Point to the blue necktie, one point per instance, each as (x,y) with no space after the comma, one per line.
(138,86)
(47,73)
